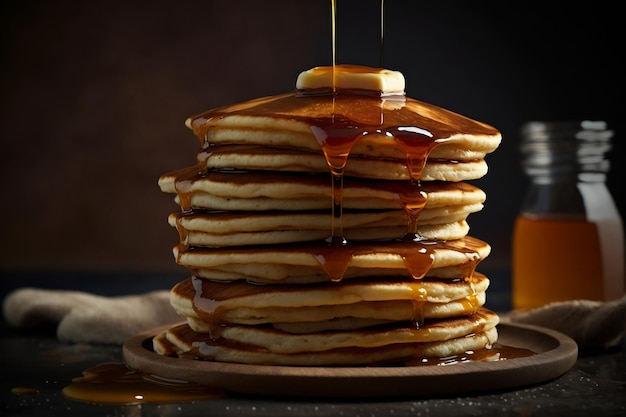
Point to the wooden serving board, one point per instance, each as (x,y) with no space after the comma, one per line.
(555,355)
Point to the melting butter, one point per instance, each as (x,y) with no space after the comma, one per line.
(352,77)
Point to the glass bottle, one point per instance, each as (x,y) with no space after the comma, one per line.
(568,239)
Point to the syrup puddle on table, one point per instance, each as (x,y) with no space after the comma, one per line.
(116,383)
(24,390)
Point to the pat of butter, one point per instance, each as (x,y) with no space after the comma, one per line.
(352,77)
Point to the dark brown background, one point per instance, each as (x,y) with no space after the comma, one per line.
(95,94)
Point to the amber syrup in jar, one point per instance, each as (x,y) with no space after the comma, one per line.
(568,240)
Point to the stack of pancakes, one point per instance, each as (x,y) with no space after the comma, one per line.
(329,227)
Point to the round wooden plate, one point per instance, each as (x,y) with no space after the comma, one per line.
(555,354)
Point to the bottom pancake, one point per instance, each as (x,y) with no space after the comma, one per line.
(388,344)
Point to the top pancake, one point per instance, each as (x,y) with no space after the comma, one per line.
(388,138)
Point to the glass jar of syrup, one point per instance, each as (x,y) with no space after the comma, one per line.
(568,239)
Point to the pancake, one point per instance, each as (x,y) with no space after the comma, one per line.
(216,303)
(386,226)
(304,263)
(285,121)
(282,342)
(381,345)
(252,191)
(258,158)
(310,191)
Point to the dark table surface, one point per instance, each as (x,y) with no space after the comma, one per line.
(34,359)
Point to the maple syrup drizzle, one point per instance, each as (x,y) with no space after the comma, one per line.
(381,50)
(333,18)
(207,306)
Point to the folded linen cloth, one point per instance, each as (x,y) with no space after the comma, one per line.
(89,318)
(83,317)
(592,324)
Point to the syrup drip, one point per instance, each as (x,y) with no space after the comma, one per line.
(418,256)
(184,192)
(412,145)
(336,143)
(207,307)
(203,156)
(418,309)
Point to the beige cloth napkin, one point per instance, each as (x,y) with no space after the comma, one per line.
(84,317)
(592,324)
